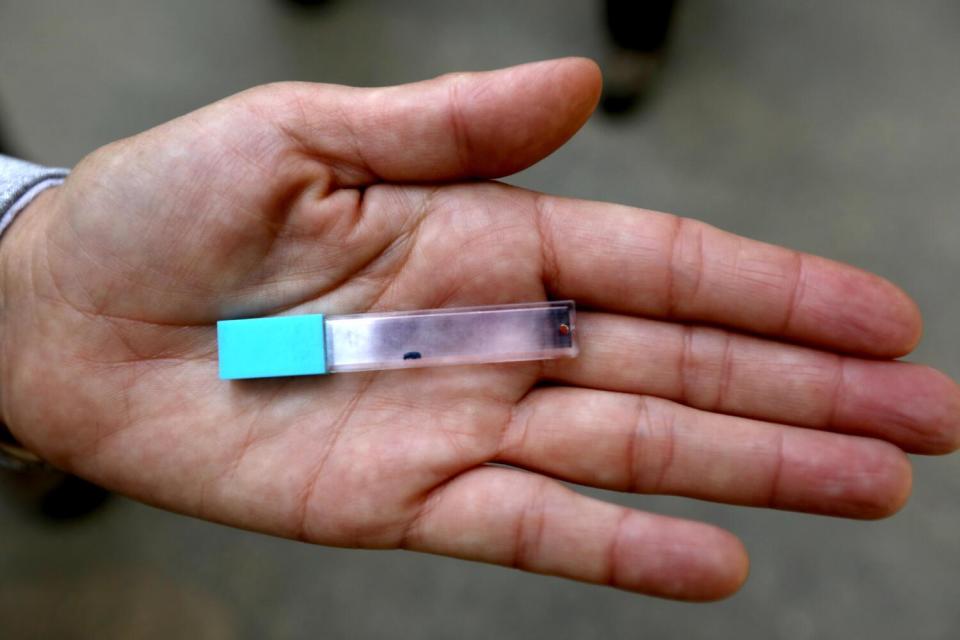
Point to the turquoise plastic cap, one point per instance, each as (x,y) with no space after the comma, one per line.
(271,347)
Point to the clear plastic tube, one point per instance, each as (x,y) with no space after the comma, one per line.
(471,335)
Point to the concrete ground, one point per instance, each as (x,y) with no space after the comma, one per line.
(829,127)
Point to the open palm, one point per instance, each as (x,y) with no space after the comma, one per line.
(296,198)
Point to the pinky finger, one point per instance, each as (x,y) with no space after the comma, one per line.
(530,522)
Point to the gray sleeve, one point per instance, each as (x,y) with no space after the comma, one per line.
(21,182)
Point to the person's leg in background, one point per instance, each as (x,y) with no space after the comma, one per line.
(639,30)
(4,146)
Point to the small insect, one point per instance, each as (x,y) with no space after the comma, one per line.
(564,329)
(412,355)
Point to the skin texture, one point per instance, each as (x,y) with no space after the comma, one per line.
(712,366)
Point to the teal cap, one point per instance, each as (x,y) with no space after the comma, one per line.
(271,347)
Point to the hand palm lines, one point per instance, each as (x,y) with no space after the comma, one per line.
(434,428)
(399,434)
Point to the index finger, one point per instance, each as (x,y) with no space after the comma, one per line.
(654,264)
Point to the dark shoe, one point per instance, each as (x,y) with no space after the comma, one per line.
(639,34)
(308,3)
(627,79)
(50,494)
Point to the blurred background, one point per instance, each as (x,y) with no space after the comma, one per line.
(828,127)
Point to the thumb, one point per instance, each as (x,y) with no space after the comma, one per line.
(463,125)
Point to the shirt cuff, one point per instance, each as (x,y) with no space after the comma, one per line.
(20,183)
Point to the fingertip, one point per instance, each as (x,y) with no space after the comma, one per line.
(890,490)
(944,425)
(913,406)
(731,572)
(580,72)
(589,65)
(682,560)
(585,78)
(725,566)
(572,84)
(906,322)
(505,120)
(533,113)
(901,484)
(857,311)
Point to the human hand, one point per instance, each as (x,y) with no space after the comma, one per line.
(297,198)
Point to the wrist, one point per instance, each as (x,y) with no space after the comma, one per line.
(17,262)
